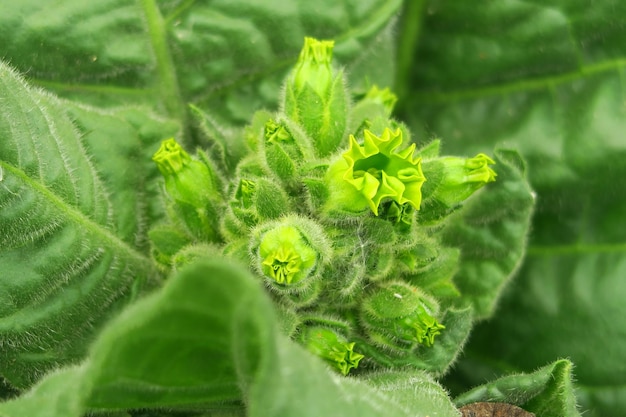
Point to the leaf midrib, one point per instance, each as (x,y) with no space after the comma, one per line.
(78,217)
(575,249)
(168,88)
(540,83)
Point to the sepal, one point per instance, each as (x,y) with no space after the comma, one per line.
(192,253)
(224,146)
(166,241)
(399,315)
(331,346)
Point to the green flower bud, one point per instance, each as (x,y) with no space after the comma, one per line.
(369,173)
(290,252)
(286,258)
(316,98)
(276,133)
(399,315)
(191,186)
(245,193)
(332,347)
(241,215)
(455,179)
(384,97)
(258,199)
(280,151)
(435,273)
(313,68)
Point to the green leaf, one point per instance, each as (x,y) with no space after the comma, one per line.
(546,79)
(564,315)
(142,361)
(121,142)
(55,396)
(225,56)
(68,244)
(417,391)
(232,352)
(547,392)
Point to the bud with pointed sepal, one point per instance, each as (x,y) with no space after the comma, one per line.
(316,97)
(257,199)
(452,180)
(290,254)
(377,104)
(458,178)
(280,151)
(331,346)
(397,315)
(191,185)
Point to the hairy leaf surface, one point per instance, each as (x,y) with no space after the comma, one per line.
(547,392)
(67,240)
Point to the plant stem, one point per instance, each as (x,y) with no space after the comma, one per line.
(168,83)
(410,28)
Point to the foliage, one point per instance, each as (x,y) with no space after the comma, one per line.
(296,249)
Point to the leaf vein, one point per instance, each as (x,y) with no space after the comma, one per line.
(78,217)
(540,83)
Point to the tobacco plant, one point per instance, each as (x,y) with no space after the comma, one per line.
(200,220)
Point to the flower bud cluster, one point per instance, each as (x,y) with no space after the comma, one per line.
(333,208)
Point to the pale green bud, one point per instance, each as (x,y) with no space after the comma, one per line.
(401,316)
(457,178)
(316,99)
(314,66)
(384,97)
(290,253)
(191,185)
(332,347)
(286,258)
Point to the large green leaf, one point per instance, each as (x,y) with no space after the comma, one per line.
(72,221)
(548,80)
(209,340)
(226,55)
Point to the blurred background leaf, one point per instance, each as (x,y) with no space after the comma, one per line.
(548,80)
(229,56)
